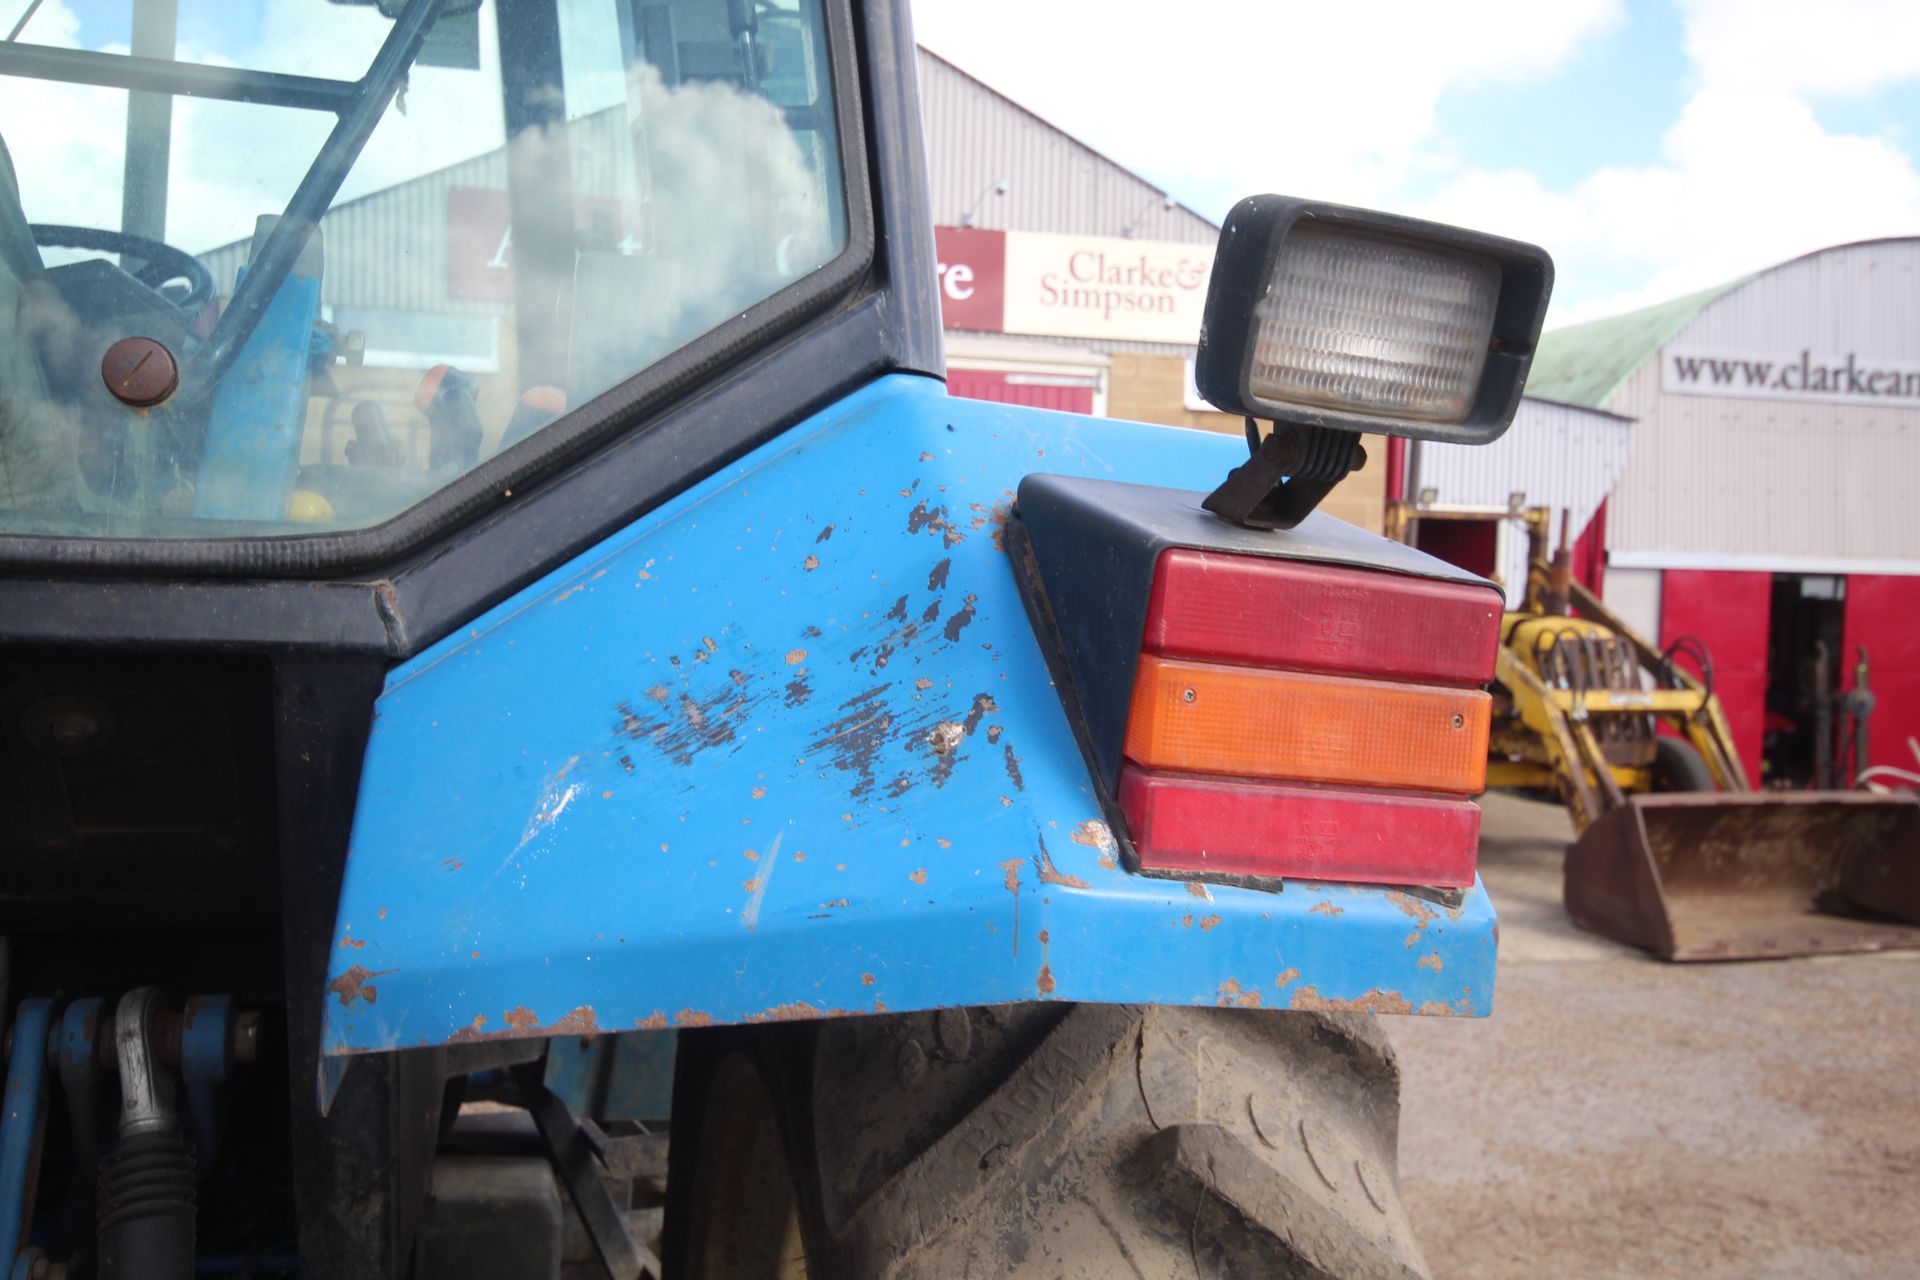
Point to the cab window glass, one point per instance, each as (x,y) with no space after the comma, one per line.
(184,354)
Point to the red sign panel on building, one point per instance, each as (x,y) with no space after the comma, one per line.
(973,278)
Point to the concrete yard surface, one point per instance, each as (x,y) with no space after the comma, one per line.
(1620,1116)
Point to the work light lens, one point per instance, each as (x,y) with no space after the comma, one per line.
(1368,324)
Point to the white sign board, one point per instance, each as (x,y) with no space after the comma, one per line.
(1846,378)
(1100,287)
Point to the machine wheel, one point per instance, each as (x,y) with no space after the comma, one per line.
(1678,767)
(1039,1141)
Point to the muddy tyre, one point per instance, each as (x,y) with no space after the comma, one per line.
(1678,767)
(1039,1141)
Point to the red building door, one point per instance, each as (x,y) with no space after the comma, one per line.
(1883,613)
(1729,612)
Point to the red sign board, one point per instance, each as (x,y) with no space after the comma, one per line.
(973,278)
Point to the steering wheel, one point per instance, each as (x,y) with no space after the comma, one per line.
(162,262)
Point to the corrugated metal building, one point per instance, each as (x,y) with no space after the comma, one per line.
(1560,456)
(1768,504)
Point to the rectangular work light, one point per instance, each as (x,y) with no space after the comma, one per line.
(1320,315)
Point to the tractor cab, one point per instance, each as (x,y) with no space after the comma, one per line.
(300,268)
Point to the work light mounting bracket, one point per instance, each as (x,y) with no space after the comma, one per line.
(1290,473)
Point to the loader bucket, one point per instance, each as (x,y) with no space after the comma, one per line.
(1712,876)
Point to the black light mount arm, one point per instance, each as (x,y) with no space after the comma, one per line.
(1290,473)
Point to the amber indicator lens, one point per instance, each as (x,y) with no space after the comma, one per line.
(1243,721)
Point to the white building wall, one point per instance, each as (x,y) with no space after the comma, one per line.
(1556,455)
(1634,595)
(1787,485)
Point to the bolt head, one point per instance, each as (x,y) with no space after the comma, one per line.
(139,372)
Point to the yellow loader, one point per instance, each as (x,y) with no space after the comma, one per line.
(1676,853)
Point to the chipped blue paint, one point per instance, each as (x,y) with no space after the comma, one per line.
(788,746)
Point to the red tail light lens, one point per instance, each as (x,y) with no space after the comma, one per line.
(1227,826)
(1299,616)
(1298,719)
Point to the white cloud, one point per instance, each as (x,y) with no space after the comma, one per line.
(1747,177)
(1792,46)
(1237,96)
(1339,102)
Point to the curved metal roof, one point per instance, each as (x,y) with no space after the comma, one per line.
(1586,364)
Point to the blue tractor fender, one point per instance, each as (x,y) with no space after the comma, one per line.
(787,747)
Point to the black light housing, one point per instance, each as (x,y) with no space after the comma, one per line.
(1319,284)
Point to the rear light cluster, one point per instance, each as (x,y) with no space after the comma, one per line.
(1304,720)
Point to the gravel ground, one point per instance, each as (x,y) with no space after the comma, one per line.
(1619,1116)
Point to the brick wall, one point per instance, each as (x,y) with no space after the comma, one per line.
(1153,389)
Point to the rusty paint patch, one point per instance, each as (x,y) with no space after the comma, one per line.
(993,733)
(580,1022)
(798,1011)
(1285,976)
(655,1021)
(867,979)
(1044,983)
(1094,834)
(522,1018)
(1013,769)
(925,519)
(854,740)
(1186,922)
(960,621)
(810,563)
(692,1018)
(825,534)
(1234,996)
(1049,874)
(1198,890)
(837,902)
(983,705)
(382,913)
(451,864)
(937,580)
(1012,867)
(1432,961)
(1326,908)
(923,684)
(689,725)
(1375,1001)
(1415,909)
(1001,512)
(356,943)
(919,877)
(796,656)
(1207,923)
(354,985)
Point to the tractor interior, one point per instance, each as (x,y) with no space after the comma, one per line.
(379,244)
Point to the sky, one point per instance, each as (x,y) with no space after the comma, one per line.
(1653,147)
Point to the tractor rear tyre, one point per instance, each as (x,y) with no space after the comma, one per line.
(1678,767)
(1039,1141)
